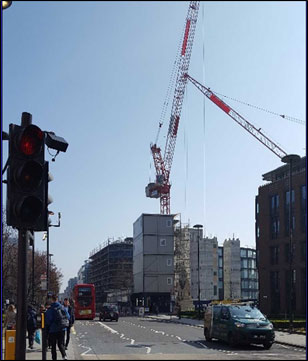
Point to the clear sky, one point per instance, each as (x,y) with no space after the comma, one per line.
(96,73)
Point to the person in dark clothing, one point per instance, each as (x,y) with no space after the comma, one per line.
(70,311)
(47,305)
(31,324)
(56,333)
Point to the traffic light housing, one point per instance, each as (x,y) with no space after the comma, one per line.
(27,178)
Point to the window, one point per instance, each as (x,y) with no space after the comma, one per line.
(169,262)
(215,290)
(303,213)
(250,253)
(243,252)
(288,197)
(303,193)
(169,223)
(163,242)
(244,263)
(169,281)
(274,280)
(274,200)
(274,227)
(274,253)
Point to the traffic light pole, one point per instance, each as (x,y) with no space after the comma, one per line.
(21,324)
(22,279)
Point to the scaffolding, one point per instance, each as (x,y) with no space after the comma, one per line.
(111,267)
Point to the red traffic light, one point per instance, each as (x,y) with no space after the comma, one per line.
(31,140)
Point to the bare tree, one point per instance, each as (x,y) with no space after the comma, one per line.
(9,268)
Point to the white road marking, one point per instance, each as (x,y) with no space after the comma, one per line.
(199,343)
(108,328)
(84,353)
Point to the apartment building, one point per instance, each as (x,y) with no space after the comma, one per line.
(275,258)
(153,268)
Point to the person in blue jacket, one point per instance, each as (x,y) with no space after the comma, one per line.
(56,333)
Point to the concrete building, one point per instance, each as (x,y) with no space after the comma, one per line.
(232,269)
(111,268)
(182,273)
(153,266)
(274,256)
(208,263)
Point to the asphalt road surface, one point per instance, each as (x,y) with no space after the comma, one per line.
(134,338)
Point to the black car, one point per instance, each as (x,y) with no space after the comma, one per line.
(109,313)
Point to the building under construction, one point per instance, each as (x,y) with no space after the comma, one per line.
(112,268)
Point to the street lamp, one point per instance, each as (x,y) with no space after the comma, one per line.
(290,159)
(46,236)
(6,4)
(198,226)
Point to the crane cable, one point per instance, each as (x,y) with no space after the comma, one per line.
(170,87)
(204,135)
(296,120)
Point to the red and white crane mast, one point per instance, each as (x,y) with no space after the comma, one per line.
(161,189)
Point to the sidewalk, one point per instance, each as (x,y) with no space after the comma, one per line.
(36,352)
(284,338)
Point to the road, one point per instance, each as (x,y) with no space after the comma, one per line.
(134,338)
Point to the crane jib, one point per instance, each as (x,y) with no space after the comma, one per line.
(185,37)
(220,103)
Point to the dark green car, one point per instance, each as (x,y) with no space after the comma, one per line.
(238,323)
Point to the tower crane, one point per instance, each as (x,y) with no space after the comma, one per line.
(161,188)
(257,133)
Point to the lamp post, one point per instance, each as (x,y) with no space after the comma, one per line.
(290,159)
(46,236)
(198,226)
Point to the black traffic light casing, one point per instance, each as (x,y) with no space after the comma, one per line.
(26,178)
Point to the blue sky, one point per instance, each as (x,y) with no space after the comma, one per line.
(96,73)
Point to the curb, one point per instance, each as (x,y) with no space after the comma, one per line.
(201,326)
(290,344)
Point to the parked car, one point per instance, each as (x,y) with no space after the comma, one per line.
(109,312)
(238,323)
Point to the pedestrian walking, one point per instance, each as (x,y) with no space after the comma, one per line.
(48,342)
(10,318)
(31,324)
(57,320)
(70,311)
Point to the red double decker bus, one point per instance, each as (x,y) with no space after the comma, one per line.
(84,301)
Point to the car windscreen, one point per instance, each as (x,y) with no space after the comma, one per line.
(246,312)
(110,308)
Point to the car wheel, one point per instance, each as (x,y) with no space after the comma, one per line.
(267,345)
(207,335)
(231,340)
